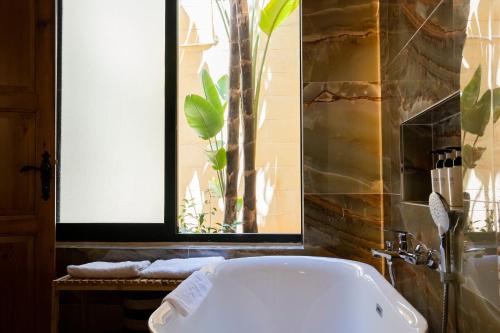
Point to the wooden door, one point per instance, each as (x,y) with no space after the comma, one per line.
(27,117)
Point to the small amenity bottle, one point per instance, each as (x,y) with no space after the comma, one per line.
(455,180)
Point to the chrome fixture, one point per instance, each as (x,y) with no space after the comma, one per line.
(446,220)
(418,255)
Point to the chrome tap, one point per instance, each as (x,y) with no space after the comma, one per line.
(420,255)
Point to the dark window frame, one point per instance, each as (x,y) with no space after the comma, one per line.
(152,232)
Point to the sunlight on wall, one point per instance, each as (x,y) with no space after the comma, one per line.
(204,44)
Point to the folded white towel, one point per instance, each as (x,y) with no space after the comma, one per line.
(188,296)
(108,270)
(177,268)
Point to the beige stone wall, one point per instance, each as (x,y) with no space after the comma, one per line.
(203,43)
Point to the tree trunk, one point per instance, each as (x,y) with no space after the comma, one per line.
(249,202)
(233,120)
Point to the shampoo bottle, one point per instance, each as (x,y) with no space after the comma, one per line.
(442,165)
(455,180)
(435,176)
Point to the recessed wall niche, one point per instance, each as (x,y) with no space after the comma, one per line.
(438,126)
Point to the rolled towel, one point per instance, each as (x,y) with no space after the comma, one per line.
(188,296)
(177,268)
(108,270)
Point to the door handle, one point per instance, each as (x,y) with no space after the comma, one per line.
(45,169)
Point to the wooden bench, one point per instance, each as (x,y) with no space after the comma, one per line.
(68,283)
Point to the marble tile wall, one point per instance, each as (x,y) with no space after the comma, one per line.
(422,43)
(342,122)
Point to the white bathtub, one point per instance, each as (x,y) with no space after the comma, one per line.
(295,294)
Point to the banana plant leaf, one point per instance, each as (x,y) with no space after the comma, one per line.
(471,155)
(274,13)
(476,118)
(217,159)
(470,94)
(202,116)
(496,104)
(210,90)
(223,87)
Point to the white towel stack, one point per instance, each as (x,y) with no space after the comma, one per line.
(108,270)
(177,268)
(189,295)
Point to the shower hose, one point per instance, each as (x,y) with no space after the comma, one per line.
(444,317)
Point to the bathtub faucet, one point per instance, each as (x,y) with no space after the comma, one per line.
(418,255)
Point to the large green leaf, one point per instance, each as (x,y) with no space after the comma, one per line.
(275,12)
(470,155)
(217,159)
(496,104)
(223,87)
(470,93)
(210,90)
(202,116)
(476,118)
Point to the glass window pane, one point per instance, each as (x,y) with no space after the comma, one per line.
(202,177)
(112,111)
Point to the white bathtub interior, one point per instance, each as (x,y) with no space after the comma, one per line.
(295,294)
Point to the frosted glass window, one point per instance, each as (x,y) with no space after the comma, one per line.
(112,117)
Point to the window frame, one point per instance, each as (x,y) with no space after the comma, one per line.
(168,230)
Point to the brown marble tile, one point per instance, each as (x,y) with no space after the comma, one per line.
(348,225)
(391,150)
(347,46)
(342,137)
(405,18)
(427,69)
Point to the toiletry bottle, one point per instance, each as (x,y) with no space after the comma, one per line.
(455,180)
(434,175)
(443,173)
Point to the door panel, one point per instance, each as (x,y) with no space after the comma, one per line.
(27,129)
(17,148)
(16,284)
(17,57)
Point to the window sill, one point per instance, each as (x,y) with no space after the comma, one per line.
(179,246)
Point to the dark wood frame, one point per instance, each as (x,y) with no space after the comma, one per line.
(152,232)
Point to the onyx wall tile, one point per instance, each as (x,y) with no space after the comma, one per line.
(405,18)
(347,225)
(427,69)
(393,110)
(346,46)
(341,123)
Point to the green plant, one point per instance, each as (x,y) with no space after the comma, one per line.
(245,29)
(193,221)
(203,219)
(476,114)
(263,22)
(205,115)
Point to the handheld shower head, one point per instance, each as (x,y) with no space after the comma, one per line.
(440,212)
(445,220)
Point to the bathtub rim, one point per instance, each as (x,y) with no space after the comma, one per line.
(392,297)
